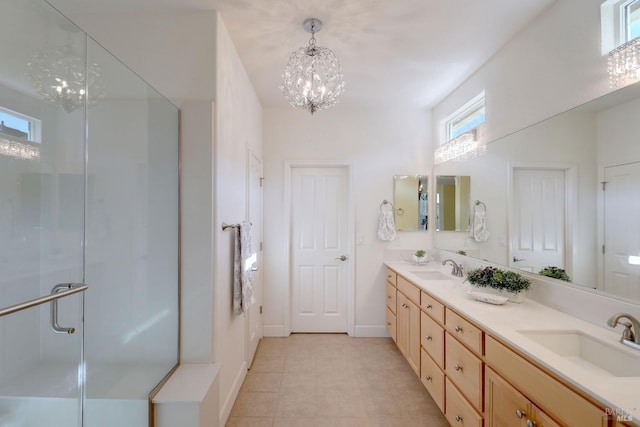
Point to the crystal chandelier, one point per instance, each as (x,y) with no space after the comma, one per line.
(624,63)
(313,78)
(462,147)
(61,76)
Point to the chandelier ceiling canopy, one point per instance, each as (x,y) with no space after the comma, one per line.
(312,79)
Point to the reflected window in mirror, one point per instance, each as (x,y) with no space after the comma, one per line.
(452,202)
(411,202)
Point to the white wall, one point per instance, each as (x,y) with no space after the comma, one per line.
(377,143)
(238,128)
(554,64)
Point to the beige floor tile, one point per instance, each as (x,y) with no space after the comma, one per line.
(332,380)
(262,381)
(250,422)
(255,404)
(301,382)
(296,404)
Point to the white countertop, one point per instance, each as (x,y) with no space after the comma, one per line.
(504,322)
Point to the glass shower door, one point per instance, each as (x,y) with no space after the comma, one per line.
(42,187)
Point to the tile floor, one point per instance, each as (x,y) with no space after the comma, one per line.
(332,380)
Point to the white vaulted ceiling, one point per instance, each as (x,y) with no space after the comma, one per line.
(393,52)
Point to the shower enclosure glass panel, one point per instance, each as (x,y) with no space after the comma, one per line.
(88,193)
(42,150)
(132,244)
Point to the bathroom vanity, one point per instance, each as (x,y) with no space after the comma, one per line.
(508,365)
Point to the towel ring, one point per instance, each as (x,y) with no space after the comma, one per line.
(384,203)
(479,203)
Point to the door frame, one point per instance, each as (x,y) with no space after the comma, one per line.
(571,204)
(289,165)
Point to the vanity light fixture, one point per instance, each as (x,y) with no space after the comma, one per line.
(624,63)
(312,79)
(462,147)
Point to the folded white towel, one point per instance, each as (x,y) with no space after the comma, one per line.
(386,226)
(243,261)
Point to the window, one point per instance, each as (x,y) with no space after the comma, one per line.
(467,117)
(620,21)
(17,126)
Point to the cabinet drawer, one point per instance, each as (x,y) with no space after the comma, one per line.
(467,333)
(410,290)
(391,324)
(433,379)
(432,339)
(549,394)
(392,276)
(432,307)
(391,297)
(465,370)
(457,409)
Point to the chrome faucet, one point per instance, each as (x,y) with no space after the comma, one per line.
(629,337)
(456,269)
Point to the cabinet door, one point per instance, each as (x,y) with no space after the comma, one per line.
(402,323)
(542,419)
(504,405)
(391,324)
(408,330)
(414,337)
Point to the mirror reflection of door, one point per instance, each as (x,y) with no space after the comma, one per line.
(452,203)
(621,230)
(538,219)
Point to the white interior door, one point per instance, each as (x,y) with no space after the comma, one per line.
(319,249)
(254,315)
(538,219)
(621,230)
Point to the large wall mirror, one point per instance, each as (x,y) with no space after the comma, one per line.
(410,202)
(452,202)
(562,193)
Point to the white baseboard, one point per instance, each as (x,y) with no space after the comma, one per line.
(227,406)
(274,331)
(370,331)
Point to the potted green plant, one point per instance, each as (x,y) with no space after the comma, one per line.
(419,257)
(507,282)
(556,273)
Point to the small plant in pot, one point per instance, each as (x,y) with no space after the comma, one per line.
(420,257)
(510,283)
(556,273)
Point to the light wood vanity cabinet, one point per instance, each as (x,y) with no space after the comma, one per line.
(475,379)
(559,402)
(506,406)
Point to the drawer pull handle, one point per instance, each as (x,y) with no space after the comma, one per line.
(458,418)
(532,423)
(388,323)
(389,297)
(429,306)
(520,414)
(428,378)
(459,368)
(458,329)
(428,337)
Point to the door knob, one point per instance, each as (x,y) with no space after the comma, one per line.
(517,259)
(342,258)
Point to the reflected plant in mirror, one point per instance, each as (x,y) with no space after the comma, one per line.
(562,195)
(411,202)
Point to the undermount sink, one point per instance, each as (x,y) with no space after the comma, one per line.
(588,352)
(431,275)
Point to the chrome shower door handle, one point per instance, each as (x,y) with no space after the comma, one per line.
(342,258)
(54,309)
